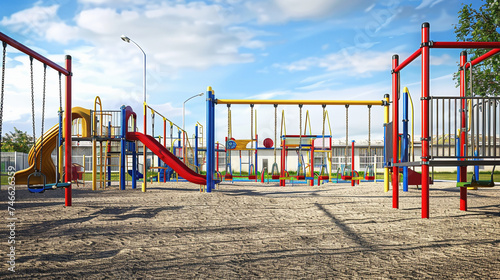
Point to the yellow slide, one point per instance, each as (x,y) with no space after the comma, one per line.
(48,168)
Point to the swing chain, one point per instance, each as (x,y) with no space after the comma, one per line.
(323,135)
(2,90)
(33,110)
(43,111)
(60,94)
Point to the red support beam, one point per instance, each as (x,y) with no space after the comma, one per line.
(395,120)
(425,119)
(466,45)
(283,162)
(482,57)
(15,44)
(408,60)
(67,133)
(463,129)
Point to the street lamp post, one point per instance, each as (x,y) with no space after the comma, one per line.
(183,124)
(128,40)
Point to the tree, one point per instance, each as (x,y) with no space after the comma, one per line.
(17,141)
(482,25)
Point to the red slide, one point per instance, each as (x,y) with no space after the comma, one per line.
(168,158)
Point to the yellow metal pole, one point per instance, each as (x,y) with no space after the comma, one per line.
(303,102)
(386,121)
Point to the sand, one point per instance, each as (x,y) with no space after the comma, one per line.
(250,231)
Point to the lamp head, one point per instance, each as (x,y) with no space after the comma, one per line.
(125,38)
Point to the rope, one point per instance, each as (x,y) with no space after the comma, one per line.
(275,129)
(300,138)
(228,153)
(323,134)
(369,130)
(251,133)
(346,132)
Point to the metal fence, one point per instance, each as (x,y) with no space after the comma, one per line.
(481,126)
(16,159)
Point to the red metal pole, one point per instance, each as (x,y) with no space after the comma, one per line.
(425,119)
(67,133)
(463,152)
(466,45)
(15,44)
(408,60)
(352,163)
(395,133)
(217,164)
(482,57)
(283,162)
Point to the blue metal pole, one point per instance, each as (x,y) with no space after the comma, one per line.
(134,166)
(179,145)
(210,139)
(404,140)
(476,167)
(123,153)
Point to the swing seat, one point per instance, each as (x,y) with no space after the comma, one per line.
(346,177)
(300,177)
(252,177)
(323,177)
(370,178)
(42,188)
(228,177)
(476,184)
(275,176)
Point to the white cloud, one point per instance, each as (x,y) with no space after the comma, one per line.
(278,11)
(428,3)
(351,64)
(41,21)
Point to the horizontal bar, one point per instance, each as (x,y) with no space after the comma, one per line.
(33,54)
(450,163)
(300,102)
(408,60)
(482,57)
(465,97)
(466,45)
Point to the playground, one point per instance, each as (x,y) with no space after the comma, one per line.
(246,230)
(163,202)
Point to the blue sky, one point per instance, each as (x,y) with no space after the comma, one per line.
(274,49)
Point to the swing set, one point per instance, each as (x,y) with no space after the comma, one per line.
(39,157)
(303,140)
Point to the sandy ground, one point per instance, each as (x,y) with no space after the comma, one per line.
(250,231)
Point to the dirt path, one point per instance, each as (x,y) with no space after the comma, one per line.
(254,231)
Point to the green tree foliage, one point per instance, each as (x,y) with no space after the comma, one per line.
(17,141)
(481,25)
